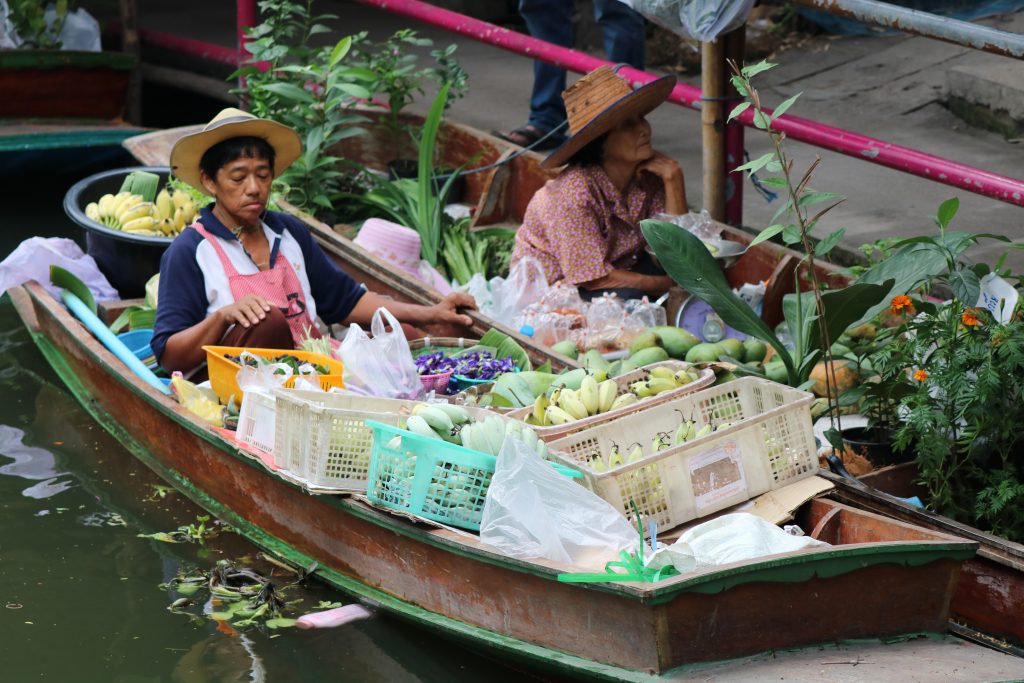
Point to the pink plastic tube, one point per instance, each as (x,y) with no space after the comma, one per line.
(334,617)
(914,162)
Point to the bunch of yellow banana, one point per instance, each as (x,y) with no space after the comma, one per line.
(662,379)
(167,215)
(455,425)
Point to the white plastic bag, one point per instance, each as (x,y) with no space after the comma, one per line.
(261,376)
(729,538)
(32,259)
(533,511)
(80,31)
(381,365)
(505,298)
(703,20)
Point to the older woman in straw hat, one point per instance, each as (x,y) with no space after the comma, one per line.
(584,225)
(245,276)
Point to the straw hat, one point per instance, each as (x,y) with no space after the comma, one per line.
(599,102)
(233,123)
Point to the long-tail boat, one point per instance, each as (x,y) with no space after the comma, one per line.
(883,583)
(990,594)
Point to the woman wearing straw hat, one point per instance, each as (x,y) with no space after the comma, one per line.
(245,276)
(584,225)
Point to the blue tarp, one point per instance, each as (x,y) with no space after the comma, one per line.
(965,10)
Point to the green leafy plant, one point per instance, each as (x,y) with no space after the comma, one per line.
(28,20)
(309,88)
(466,252)
(197,532)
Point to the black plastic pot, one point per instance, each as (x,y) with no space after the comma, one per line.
(876,447)
(128,261)
(409,168)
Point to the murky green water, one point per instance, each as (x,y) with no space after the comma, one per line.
(79,591)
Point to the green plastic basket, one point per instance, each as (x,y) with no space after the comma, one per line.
(428,477)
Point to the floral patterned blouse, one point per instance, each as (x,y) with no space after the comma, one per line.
(579,226)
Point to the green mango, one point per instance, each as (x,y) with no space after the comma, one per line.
(566,347)
(675,340)
(732,348)
(643,341)
(595,361)
(841,349)
(571,380)
(754,350)
(614,368)
(726,376)
(704,353)
(627,366)
(776,372)
(653,354)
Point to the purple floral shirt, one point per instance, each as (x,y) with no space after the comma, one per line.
(580,227)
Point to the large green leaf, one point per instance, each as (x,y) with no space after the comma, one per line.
(66,280)
(912,265)
(689,263)
(845,307)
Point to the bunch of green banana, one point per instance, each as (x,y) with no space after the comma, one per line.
(166,216)
(455,425)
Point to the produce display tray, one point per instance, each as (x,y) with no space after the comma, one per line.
(223,372)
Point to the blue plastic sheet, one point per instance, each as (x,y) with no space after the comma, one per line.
(965,10)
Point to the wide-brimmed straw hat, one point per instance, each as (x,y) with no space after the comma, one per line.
(599,102)
(233,123)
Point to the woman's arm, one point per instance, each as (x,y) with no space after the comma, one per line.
(184,349)
(622,279)
(445,311)
(671,175)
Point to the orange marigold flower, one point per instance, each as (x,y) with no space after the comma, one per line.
(901,303)
(920,375)
(969,318)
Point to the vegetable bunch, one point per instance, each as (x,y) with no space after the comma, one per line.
(472,365)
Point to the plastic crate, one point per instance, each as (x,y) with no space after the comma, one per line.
(769,445)
(553,432)
(223,372)
(256,421)
(322,437)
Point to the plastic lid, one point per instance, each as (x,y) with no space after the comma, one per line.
(527,330)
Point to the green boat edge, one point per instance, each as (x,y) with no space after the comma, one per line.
(538,657)
(89,134)
(66,59)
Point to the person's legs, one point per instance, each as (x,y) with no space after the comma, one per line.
(624,33)
(270,333)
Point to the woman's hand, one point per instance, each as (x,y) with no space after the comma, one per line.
(446,310)
(671,174)
(249,310)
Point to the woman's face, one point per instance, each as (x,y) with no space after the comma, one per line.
(242,187)
(629,142)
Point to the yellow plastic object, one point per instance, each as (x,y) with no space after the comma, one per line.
(223,371)
(195,401)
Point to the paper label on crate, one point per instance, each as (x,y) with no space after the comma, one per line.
(998,296)
(717,475)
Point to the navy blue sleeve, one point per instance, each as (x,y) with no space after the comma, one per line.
(334,290)
(181,299)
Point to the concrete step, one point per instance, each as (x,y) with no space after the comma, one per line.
(989,95)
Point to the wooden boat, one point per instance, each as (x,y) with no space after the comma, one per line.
(881,579)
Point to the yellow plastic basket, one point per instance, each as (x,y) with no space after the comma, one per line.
(223,372)
(768,445)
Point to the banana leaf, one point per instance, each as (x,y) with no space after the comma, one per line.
(503,346)
(65,280)
(691,265)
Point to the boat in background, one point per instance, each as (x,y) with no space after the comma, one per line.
(883,582)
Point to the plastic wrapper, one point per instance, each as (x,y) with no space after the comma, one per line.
(533,511)
(702,20)
(504,299)
(32,259)
(197,401)
(729,538)
(381,365)
(261,375)
(606,321)
(699,224)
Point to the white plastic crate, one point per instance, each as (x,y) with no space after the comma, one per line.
(552,433)
(322,437)
(769,444)
(256,421)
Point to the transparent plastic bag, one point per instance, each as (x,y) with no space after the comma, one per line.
(261,375)
(533,511)
(197,401)
(504,299)
(703,20)
(606,321)
(381,365)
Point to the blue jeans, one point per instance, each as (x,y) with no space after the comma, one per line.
(551,20)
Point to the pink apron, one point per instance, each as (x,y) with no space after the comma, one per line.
(279,285)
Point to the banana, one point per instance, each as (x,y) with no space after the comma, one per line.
(661,442)
(641,388)
(190,211)
(138,210)
(458,414)
(180,199)
(662,372)
(589,395)
(703,431)
(468,436)
(542,449)
(529,437)
(164,205)
(395,443)
(682,377)
(140,224)
(658,385)
(104,205)
(596,463)
(513,428)
(606,392)
(494,431)
(570,402)
(615,459)
(624,400)
(126,201)
(685,432)
(554,415)
(417,425)
(92,211)
(179,220)
(724,425)
(539,406)
(437,419)
(635,454)
(166,226)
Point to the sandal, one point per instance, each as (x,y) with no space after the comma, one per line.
(527,135)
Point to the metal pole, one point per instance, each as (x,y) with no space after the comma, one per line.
(712,81)
(924,24)
(735,51)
